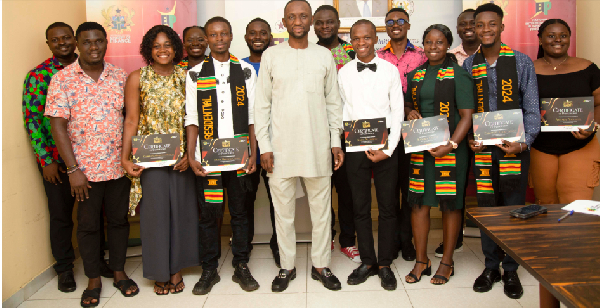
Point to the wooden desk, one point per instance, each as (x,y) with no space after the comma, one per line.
(564,257)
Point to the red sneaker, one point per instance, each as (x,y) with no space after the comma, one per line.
(332,246)
(352,253)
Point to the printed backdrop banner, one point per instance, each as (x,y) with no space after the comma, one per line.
(422,14)
(127,21)
(522,19)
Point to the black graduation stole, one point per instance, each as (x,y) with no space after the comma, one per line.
(208,113)
(507,98)
(445,167)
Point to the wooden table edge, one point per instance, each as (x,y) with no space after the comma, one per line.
(562,298)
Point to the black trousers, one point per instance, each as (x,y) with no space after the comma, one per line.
(209,233)
(385,174)
(251,198)
(339,179)
(491,250)
(60,207)
(404,228)
(114,194)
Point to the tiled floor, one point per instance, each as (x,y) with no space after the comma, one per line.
(303,291)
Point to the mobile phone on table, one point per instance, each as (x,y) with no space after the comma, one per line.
(528,211)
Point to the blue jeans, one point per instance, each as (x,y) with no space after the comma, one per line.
(491,250)
(209,233)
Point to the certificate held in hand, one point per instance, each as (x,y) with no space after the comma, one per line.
(566,114)
(425,134)
(366,134)
(224,154)
(491,128)
(155,150)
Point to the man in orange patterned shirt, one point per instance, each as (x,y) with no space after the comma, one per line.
(85,105)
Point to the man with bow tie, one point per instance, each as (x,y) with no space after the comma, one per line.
(370,88)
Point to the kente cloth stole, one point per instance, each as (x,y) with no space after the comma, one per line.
(445,167)
(184,63)
(208,113)
(506,98)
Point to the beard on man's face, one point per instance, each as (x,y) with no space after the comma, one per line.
(257,50)
(327,41)
(304,34)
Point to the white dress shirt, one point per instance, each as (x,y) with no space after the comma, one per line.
(225,116)
(371,95)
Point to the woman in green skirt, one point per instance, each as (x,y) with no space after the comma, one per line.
(438,176)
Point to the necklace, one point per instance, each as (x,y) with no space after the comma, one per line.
(563,61)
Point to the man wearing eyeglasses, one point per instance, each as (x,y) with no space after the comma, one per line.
(406,57)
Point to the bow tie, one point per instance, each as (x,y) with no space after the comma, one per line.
(361,66)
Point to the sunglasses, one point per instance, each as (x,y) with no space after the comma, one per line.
(400,22)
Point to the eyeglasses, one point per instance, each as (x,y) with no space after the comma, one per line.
(400,22)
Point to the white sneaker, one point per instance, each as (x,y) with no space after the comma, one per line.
(352,253)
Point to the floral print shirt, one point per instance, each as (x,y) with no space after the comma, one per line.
(95,114)
(35,89)
(162,111)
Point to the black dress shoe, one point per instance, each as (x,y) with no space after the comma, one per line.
(276,257)
(105,271)
(66,281)
(208,279)
(362,273)
(327,278)
(244,278)
(512,285)
(486,280)
(282,280)
(408,252)
(388,280)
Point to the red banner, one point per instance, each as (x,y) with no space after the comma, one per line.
(522,19)
(127,21)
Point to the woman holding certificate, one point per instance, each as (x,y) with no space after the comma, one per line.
(565,165)
(438,176)
(155,104)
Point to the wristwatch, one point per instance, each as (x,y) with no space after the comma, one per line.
(454,144)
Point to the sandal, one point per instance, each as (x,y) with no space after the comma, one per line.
(426,272)
(124,285)
(442,277)
(94,294)
(175,287)
(165,286)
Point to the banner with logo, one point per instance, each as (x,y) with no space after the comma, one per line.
(522,19)
(126,22)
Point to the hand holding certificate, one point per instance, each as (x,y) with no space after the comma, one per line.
(567,114)
(155,150)
(491,128)
(425,134)
(366,134)
(224,154)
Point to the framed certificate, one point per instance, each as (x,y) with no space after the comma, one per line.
(224,154)
(425,134)
(367,134)
(156,150)
(492,127)
(566,114)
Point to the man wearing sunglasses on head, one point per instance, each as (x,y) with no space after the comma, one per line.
(406,57)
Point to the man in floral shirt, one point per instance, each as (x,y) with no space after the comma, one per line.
(85,105)
(406,57)
(61,41)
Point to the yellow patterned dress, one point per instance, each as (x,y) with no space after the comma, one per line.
(162,111)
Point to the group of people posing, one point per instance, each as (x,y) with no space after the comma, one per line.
(289,101)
